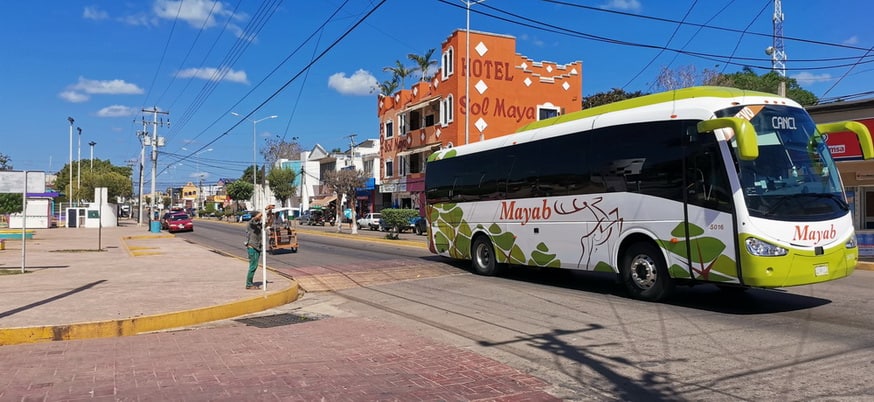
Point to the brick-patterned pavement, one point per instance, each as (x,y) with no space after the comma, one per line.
(330,359)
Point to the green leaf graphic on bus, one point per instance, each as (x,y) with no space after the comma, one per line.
(454,234)
(540,258)
(707,260)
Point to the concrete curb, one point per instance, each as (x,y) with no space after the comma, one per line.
(150,323)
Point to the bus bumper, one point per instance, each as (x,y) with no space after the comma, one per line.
(798,267)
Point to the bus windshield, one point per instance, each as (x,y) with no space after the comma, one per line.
(794,178)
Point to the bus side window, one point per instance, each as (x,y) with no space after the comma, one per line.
(707,183)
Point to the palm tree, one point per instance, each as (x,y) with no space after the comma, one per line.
(388,87)
(424,61)
(399,71)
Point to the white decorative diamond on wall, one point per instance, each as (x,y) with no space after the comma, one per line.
(481,124)
(524,65)
(527,82)
(381,104)
(437,133)
(397,98)
(422,137)
(436,83)
(415,91)
(481,49)
(549,69)
(481,87)
(566,86)
(573,71)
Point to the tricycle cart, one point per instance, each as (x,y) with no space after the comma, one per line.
(281,233)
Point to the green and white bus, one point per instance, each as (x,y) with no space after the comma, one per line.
(698,185)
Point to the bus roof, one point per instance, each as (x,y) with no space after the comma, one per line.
(662,97)
(687,103)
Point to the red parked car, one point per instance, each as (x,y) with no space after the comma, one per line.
(180,223)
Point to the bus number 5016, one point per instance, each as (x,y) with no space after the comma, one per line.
(717,226)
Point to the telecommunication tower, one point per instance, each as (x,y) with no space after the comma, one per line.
(776,51)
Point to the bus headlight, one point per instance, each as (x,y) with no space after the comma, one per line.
(851,243)
(759,248)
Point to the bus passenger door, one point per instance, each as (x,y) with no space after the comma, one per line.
(709,233)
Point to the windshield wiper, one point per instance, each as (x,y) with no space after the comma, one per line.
(839,200)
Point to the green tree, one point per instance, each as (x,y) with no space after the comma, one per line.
(388,87)
(346,181)
(239,190)
(399,72)
(769,82)
(282,183)
(5,162)
(603,98)
(247,174)
(687,76)
(103,174)
(10,203)
(423,62)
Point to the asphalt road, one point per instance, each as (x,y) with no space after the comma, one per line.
(581,334)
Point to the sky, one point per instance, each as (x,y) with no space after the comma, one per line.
(214,68)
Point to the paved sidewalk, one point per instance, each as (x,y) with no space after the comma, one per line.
(145,279)
(121,280)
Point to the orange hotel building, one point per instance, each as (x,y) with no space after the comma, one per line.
(507,90)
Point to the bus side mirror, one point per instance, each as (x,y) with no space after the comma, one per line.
(855,127)
(744,132)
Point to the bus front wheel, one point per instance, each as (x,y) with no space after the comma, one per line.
(645,272)
(483,257)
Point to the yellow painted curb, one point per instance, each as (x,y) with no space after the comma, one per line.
(150,323)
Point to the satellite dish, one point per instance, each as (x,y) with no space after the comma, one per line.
(769,50)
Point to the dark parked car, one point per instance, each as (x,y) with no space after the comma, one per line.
(314,217)
(419,225)
(180,223)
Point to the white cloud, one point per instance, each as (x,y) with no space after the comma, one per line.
(197,13)
(73,96)
(108,87)
(214,74)
(853,40)
(360,83)
(624,5)
(79,91)
(116,111)
(94,13)
(805,78)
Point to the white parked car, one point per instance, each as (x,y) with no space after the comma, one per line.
(370,221)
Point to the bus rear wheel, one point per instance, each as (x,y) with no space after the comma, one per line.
(645,272)
(483,257)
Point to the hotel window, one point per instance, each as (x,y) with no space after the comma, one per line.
(447,67)
(544,113)
(389,169)
(446,112)
(402,166)
(402,124)
(389,129)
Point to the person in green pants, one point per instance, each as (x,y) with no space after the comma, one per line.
(254,247)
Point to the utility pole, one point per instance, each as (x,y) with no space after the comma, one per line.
(156,142)
(143,136)
(352,225)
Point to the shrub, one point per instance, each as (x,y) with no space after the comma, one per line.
(396,219)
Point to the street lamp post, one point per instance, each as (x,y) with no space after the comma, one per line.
(79,167)
(255,156)
(92,144)
(70,168)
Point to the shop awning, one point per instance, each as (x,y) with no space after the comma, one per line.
(323,202)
